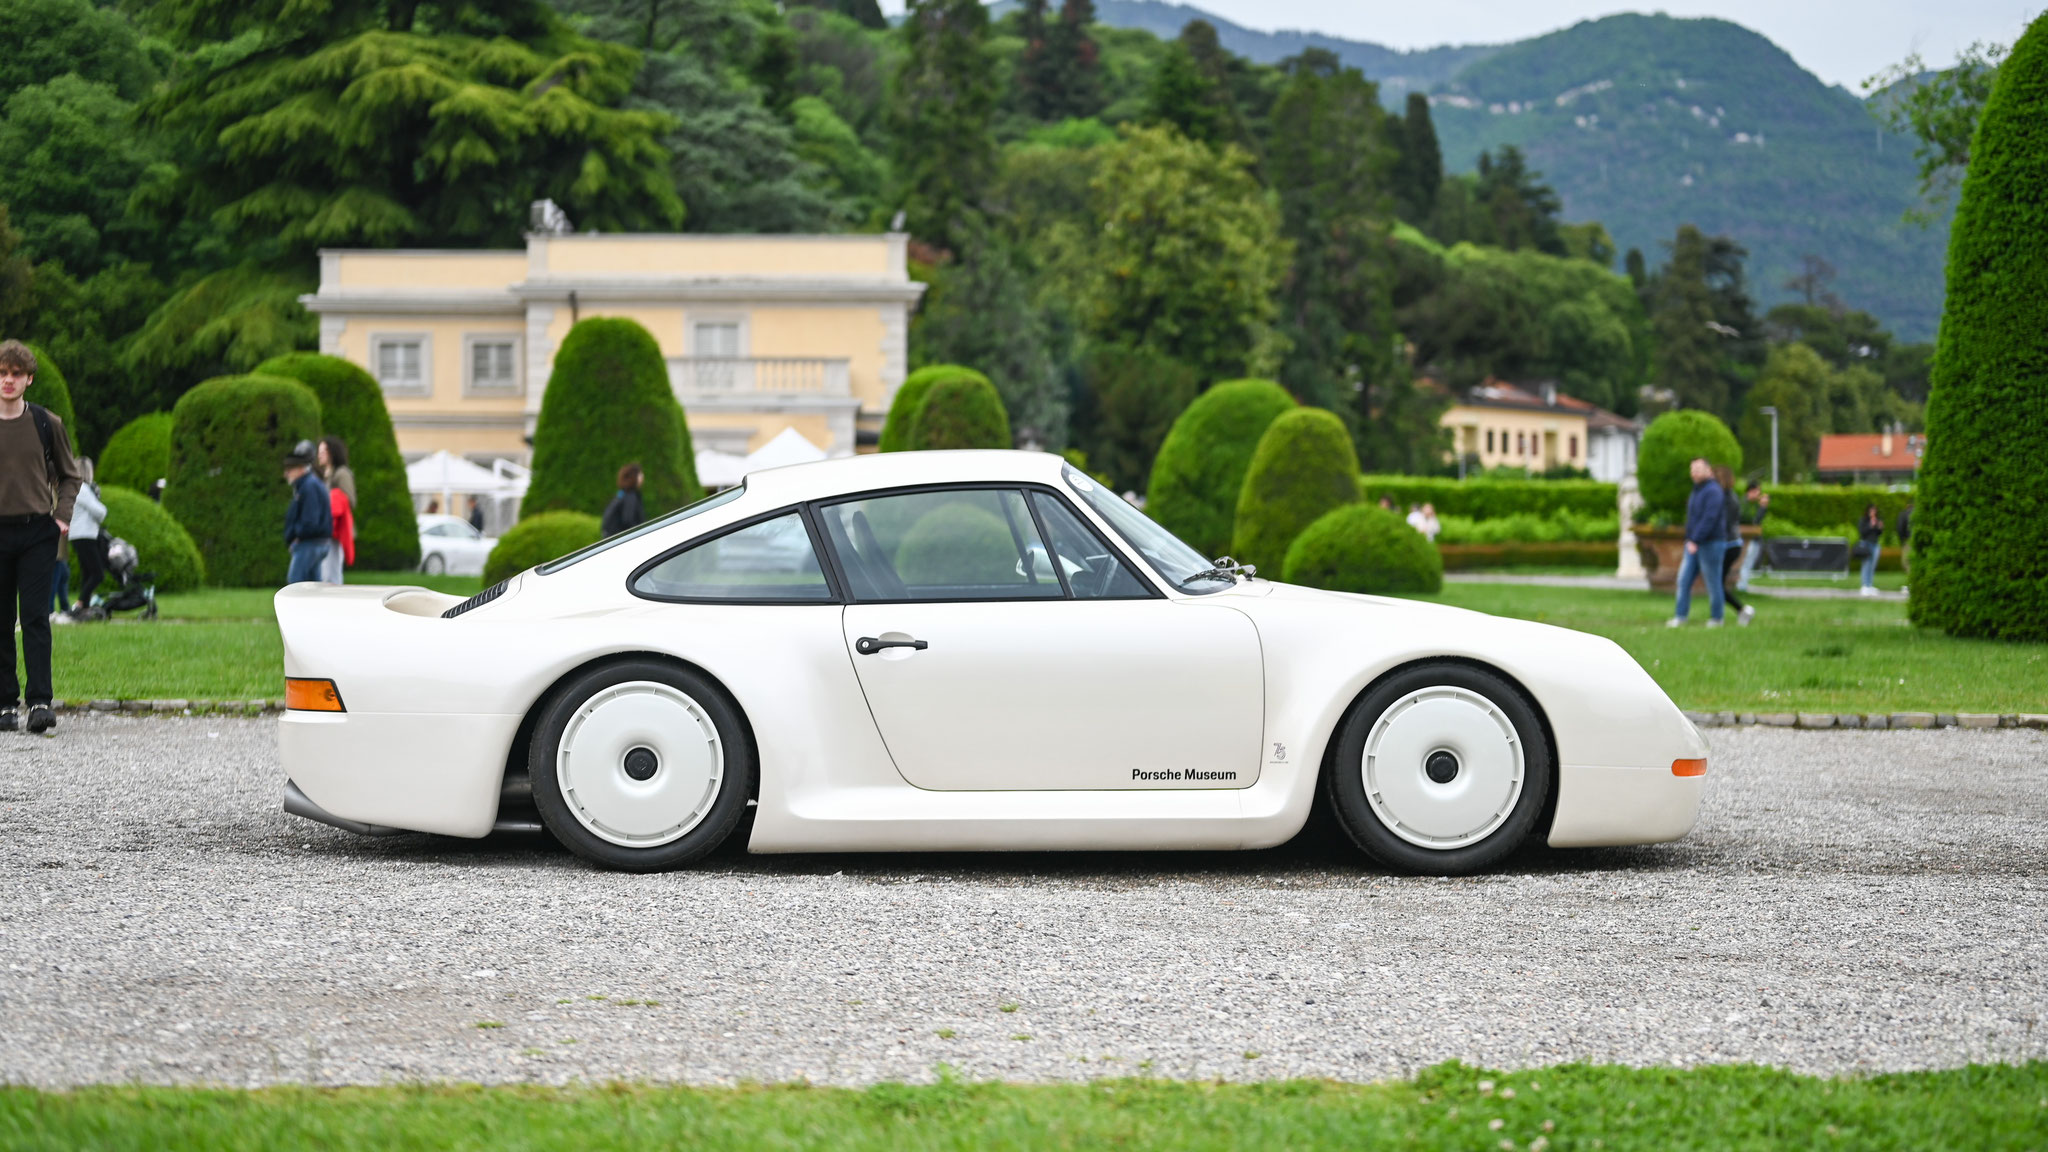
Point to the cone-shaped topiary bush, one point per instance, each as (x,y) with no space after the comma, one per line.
(1303,467)
(352,407)
(138,454)
(1980,530)
(537,540)
(162,546)
(1664,461)
(910,397)
(609,404)
(52,392)
(229,437)
(1364,548)
(952,544)
(961,412)
(1199,472)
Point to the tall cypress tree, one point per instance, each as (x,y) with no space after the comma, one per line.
(1419,170)
(1191,89)
(944,100)
(1074,80)
(1980,554)
(1682,321)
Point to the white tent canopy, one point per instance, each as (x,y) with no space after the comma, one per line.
(717,469)
(444,474)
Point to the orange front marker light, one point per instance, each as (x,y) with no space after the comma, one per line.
(318,696)
(1678,767)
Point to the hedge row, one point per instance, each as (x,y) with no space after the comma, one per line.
(1831,509)
(1487,499)
(1566,554)
(1523,528)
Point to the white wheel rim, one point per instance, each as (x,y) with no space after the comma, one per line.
(1475,801)
(611,730)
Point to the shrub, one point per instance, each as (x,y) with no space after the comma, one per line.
(1821,505)
(229,437)
(609,404)
(961,412)
(1980,554)
(1664,461)
(538,539)
(1523,528)
(1199,472)
(1304,466)
(352,407)
(51,391)
(954,543)
(910,397)
(1581,554)
(1364,548)
(138,454)
(1488,498)
(162,546)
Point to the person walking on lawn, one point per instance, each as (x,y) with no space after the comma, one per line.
(88,542)
(309,522)
(1870,533)
(1706,534)
(38,484)
(1756,504)
(1731,514)
(625,511)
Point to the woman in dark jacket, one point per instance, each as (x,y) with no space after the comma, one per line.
(1731,518)
(625,511)
(1870,534)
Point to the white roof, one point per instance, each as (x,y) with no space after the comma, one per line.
(894,469)
(444,473)
(717,469)
(789,447)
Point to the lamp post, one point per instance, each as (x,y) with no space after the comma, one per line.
(1773,414)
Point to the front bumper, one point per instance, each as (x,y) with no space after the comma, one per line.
(1600,807)
(397,771)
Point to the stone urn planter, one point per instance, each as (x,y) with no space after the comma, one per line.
(1663,550)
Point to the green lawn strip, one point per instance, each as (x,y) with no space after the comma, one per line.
(1449,1106)
(168,660)
(1800,655)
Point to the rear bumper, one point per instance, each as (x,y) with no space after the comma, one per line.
(397,771)
(1598,807)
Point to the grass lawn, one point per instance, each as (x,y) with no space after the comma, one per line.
(1810,655)
(1448,1106)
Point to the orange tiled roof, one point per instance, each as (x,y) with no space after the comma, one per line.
(1866,453)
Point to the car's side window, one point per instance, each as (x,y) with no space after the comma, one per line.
(955,544)
(772,561)
(1091,567)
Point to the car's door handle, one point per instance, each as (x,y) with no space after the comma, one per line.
(868,645)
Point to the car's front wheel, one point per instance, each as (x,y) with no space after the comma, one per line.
(434,565)
(1441,768)
(641,765)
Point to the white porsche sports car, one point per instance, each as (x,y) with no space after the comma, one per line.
(878,654)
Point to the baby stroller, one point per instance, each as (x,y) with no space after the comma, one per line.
(132,590)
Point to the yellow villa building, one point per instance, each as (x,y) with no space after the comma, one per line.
(761,333)
(1498,424)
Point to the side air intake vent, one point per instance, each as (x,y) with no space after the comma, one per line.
(477,601)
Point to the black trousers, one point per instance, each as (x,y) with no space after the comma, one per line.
(92,566)
(28,558)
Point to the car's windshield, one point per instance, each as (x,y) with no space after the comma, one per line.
(656,525)
(1169,556)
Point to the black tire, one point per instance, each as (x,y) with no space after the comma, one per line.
(1344,785)
(434,564)
(728,805)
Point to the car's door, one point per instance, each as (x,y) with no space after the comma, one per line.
(988,667)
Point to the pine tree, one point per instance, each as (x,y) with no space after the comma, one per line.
(1521,210)
(1191,89)
(1419,169)
(944,101)
(1073,80)
(1689,355)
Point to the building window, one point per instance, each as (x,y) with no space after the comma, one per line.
(401,364)
(1571,451)
(718,339)
(491,366)
(1489,440)
(1521,444)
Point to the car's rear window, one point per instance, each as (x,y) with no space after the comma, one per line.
(684,513)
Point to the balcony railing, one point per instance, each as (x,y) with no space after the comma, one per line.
(721,375)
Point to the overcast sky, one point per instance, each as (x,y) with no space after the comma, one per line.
(1841,41)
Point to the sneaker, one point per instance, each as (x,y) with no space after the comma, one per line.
(10,720)
(1713,623)
(62,618)
(1866,590)
(40,719)
(1747,614)
(1675,622)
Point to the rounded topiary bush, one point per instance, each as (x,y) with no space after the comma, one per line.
(909,398)
(539,539)
(1364,548)
(1664,461)
(226,484)
(609,404)
(1979,549)
(961,412)
(138,454)
(1303,467)
(162,546)
(52,391)
(352,407)
(1199,471)
(953,544)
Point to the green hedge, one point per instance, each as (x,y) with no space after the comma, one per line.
(138,454)
(1199,471)
(961,412)
(352,407)
(537,540)
(1980,538)
(1664,461)
(609,404)
(1564,554)
(51,391)
(1364,548)
(1488,499)
(226,486)
(910,397)
(162,546)
(1832,509)
(1523,528)
(1304,467)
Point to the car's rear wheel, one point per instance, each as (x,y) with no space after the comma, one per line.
(641,765)
(1442,768)
(434,564)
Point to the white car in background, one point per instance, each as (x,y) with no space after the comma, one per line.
(874,654)
(449,545)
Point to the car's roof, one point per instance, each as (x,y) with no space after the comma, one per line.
(426,518)
(900,469)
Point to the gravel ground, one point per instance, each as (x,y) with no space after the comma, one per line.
(1850,901)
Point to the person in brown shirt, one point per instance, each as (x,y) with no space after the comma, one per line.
(39,479)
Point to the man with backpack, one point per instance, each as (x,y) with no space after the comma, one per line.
(309,521)
(39,480)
